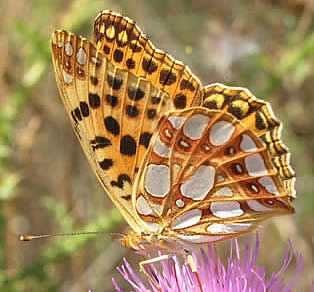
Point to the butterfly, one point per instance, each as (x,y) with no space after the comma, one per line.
(185,164)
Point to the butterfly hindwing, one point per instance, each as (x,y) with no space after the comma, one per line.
(207,173)
(258,116)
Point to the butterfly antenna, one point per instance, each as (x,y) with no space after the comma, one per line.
(29,237)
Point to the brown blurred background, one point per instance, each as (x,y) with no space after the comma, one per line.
(46,184)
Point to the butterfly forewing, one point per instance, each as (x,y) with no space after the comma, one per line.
(125,45)
(113,112)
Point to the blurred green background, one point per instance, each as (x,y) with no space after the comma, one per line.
(46,184)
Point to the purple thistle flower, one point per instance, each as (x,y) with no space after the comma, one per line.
(240,274)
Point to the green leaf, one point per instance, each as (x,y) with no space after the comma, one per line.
(8,185)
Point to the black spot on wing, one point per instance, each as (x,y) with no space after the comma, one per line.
(260,122)
(130,63)
(112,125)
(94,80)
(94,100)
(180,101)
(145,139)
(77,114)
(106,164)
(100,142)
(73,117)
(120,182)
(106,49)
(126,197)
(135,47)
(114,82)
(127,145)
(132,111)
(151,113)
(112,99)
(156,100)
(118,55)
(149,66)
(135,93)
(186,84)
(212,104)
(167,77)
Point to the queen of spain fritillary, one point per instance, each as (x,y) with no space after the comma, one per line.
(186,164)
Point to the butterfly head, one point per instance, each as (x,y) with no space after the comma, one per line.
(148,242)
(138,242)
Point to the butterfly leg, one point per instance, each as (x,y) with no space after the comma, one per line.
(145,263)
(192,264)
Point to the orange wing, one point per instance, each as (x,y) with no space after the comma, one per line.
(258,116)
(209,175)
(115,93)
(113,112)
(126,46)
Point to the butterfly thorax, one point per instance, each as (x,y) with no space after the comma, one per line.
(146,242)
